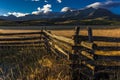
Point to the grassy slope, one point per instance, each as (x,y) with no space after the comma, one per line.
(63,22)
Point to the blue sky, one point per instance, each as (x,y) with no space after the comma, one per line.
(34,6)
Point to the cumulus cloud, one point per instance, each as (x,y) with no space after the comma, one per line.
(65,9)
(46,8)
(35,0)
(17,14)
(59,1)
(107,4)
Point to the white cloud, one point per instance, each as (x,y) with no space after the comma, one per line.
(95,5)
(38,8)
(46,1)
(36,12)
(60,1)
(107,4)
(35,0)
(5,15)
(46,8)
(39,0)
(17,14)
(65,9)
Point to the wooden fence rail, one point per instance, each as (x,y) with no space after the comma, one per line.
(21,33)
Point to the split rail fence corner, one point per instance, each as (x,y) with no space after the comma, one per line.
(81,51)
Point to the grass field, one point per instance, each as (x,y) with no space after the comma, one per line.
(31,63)
(96,32)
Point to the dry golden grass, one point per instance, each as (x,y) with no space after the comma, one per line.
(32,64)
(96,32)
(69,33)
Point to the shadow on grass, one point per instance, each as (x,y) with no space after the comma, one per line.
(100,38)
(110,48)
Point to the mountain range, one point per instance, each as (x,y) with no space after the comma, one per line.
(69,15)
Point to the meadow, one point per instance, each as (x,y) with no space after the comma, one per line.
(96,32)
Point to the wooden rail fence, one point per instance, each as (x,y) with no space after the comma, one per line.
(85,64)
(81,50)
(23,39)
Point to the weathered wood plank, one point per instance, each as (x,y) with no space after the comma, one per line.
(87,55)
(103,63)
(17,43)
(88,65)
(60,38)
(24,33)
(20,38)
(88,45)
(20,46)
(65,47)
(59,49)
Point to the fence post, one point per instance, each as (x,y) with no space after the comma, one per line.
(74,57)
(46,40)
(42,29)
(76,41)
(90,37)
(41,35)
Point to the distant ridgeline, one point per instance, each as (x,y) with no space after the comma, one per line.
(87,16)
